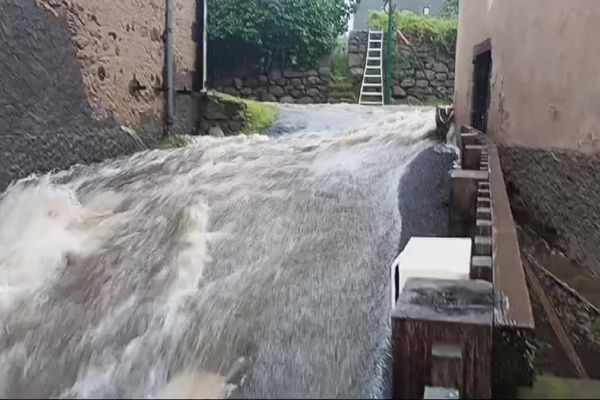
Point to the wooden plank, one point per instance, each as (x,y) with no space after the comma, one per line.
(512,296)
(557,327)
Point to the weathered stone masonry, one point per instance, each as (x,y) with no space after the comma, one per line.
(279,85)
(413,82)
(74,72)
(45,120)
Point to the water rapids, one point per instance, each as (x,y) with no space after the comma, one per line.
(246,266)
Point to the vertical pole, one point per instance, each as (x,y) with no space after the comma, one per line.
(390,53)
(204,46)
(169,66)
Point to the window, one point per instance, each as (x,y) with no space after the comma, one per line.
(426,10)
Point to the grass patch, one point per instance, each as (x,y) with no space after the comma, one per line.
(170,142)
(259,116)
(418,27)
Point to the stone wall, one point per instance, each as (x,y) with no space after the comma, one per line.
(558,193)
(279,85)
(426,79)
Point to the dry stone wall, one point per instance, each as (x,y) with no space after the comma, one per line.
(279,85)
(427,78)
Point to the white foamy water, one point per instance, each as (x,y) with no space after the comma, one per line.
(152,275)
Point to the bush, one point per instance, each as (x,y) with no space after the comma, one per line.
(339,59)
(416,27)
(285,31)
(450,9)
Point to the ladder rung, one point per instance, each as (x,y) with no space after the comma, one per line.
(374,58)
(375,40)
(376,49)
(366,84)
(372,94)
(374,76)
(371,103)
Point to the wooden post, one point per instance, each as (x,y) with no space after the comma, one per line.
(463,197)
(439,324)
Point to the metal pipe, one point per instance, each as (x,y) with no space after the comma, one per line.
(204,45)
(169,62)
(390,53)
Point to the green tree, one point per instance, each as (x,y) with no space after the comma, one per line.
(287,31)
(450,9)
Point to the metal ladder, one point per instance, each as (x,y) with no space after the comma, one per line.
(371,90)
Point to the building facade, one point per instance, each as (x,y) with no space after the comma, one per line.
(419,7)
(528,73)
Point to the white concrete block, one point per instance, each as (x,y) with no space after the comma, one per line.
(431,257)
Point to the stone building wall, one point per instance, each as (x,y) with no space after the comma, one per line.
(77,76)
(119,46)
(428,78)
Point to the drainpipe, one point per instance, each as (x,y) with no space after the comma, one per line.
(169,66)
(204,46)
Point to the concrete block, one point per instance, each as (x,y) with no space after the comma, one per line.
(483,227)
(484,213)
(463,195)
(482,267)
(484,202)
(431,257)
(446,365)
(471,156)
(440,393)
(483,246)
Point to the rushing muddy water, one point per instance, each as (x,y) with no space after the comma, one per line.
(245,266)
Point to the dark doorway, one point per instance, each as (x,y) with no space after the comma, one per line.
(481,90)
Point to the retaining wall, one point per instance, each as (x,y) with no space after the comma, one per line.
(427,81)
(279,85)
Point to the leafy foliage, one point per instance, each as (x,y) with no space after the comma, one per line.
(339,58)
(285,31)
(417,27)
(450,9)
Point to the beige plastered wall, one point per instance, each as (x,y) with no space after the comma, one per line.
(121,42)
(546,70)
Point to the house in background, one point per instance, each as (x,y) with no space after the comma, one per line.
(419,7)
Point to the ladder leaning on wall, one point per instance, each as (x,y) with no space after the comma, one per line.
(371,90)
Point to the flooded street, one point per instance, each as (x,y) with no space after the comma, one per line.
(249,266)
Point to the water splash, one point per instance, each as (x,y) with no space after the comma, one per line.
(138,276)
